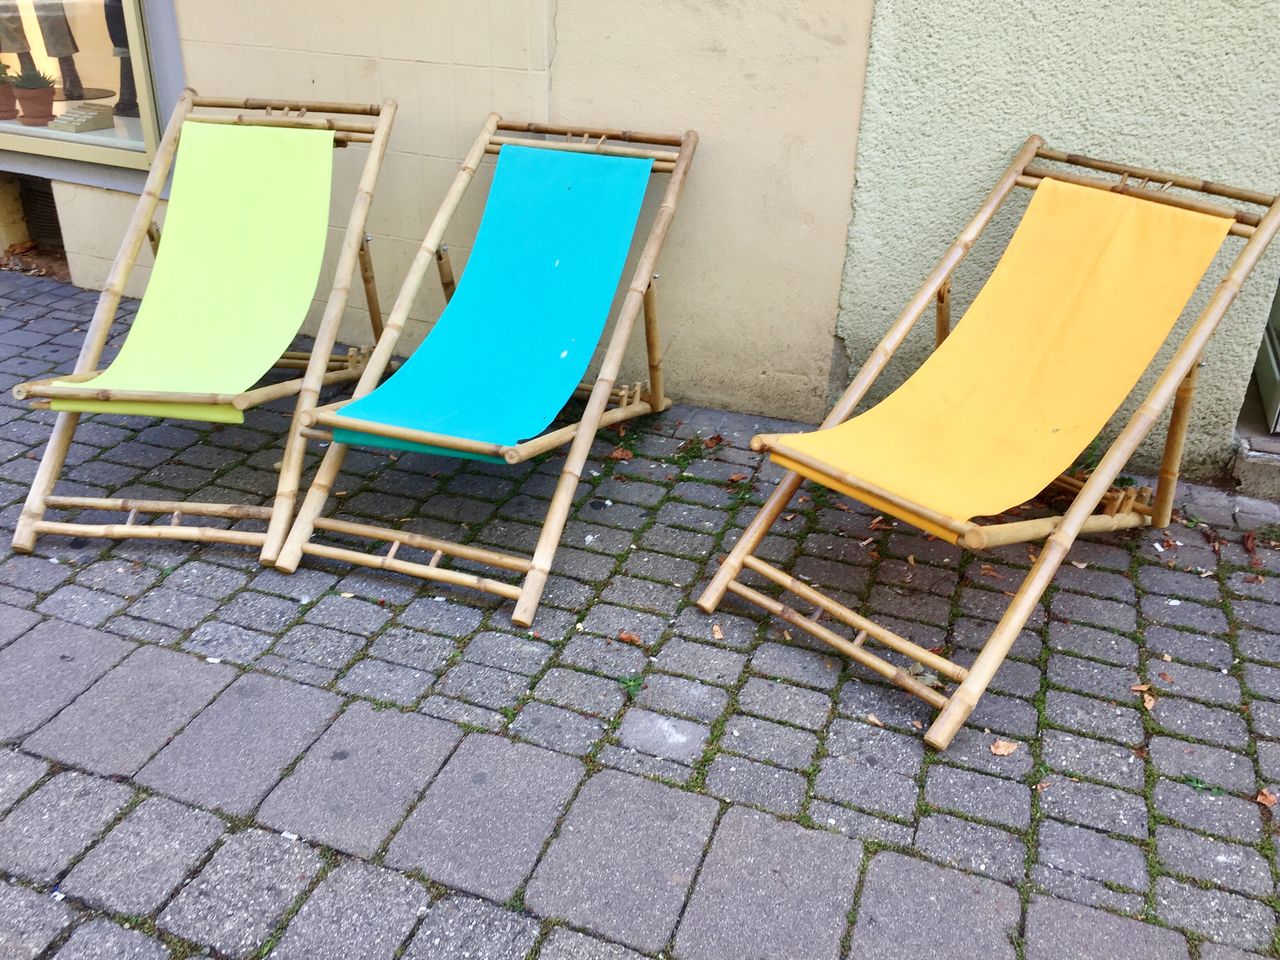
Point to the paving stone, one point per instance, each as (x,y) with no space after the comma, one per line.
(770,890)
(233,753)
(721,628)
(103,940)
(601,655)
(786,703)
(978,795)
(460,928)
(206,579)
(226,641)
(51,827)
(1211,686)
(77,604)
(1097,717)
(1006,715)
(857,824)
(772,742)
(910,909)
(871,768)
(580,691)
(131,712)
(464,714)
(1263,681)
(17,775)
(566,944)
(1228,865)
(359,912)
(1190,719)
(970,846)
(1215,914)
(557,729)
(1211,765)
(443,617)
(1208,811)
(29,921)
(661,736)
(1092,642)
(687,698)
(349,614)
(413,650)
(1216,951)
(482,823)
(173,607)
(1058,930)
(505,652)
(1094,759)
(296,670)
(1071,886)
(739,780)
(386,681)
(322,646)
(484,686)
(1188,647)
(14,622)
(356,782)
(1092,855)
(1093,806)
(1090,677)
(47,668)
(801,666)
(1184,613)
(700,661)
(624,834)
(242,893)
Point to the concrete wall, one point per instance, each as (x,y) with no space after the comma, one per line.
(953,90)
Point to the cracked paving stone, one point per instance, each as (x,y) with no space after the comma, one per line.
(739,780)
(975,847)
(1190,719)
(413,650)
(911,909)
(768,741)
(51,827)
(857,824)
(1216,915)
(103,940)
(1095,759)
(1058,930)
(18,773)
(1209,811)
(131,712)
(386,681)
(1228,865)
(464,714)
(242,893)
(770,890)
(1211,765)
(29,921)
(359,912)
(557,729)
(356,782)
(1097,717)
(980,796)
(226,641)
(700,661)
(1092,855)
(641,764)
(601,655)
(484,820)
(622,835)
(47,668)
(505,652)
(797,665)
(661,736)
(580,691)
(566,944)
(322,646)
(1090,805)
(234,751)
(688,698)
(871,768)
(462,928)
(786,703)
(141,862)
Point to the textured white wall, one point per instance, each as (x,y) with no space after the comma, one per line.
(953,89)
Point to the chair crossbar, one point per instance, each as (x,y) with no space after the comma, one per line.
(420,541)
(424,571)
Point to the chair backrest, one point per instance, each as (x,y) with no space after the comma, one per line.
(244,236)
(530,306)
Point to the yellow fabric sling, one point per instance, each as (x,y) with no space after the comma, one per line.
(1089,288)
(244,236)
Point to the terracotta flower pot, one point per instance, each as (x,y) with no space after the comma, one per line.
(37,106)
(8,104)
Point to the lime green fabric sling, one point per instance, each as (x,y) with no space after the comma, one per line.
(244,237)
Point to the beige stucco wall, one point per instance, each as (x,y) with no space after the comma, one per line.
(953,89)
(750,274)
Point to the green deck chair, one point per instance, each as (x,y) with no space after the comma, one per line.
(513,343)
(244,237)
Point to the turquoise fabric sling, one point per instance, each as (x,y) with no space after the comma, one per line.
(529,309)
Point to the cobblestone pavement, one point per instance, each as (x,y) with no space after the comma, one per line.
(199,756)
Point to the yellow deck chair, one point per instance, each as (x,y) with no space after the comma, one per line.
(1088,289)
(244,237)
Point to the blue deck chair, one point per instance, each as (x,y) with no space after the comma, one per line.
(515,339)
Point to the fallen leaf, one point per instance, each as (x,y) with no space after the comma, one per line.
(737,477)
(1165,677)
(917,724)
(626,636)
(621,453)
(1079,564)
(1002,748)
(716,632)
(874,720)
(1148,701)
(1140,687)
(346,596)
(911,559)
(713,441)
(989,571)
(1266,798)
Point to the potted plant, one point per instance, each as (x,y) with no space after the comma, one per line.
(8,105)
(34,91)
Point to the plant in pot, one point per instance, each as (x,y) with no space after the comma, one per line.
(34,91)
(8,105)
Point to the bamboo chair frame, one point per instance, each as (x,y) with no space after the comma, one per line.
(671,155)
(333,367)
(1122,509)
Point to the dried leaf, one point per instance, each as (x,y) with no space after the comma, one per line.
(737,477)
(621,453)
(1079,564)
(1002,748)
(917,724)
(713,441)
(1148,701)
(1140,687)
(626,636)
(1266,798)
(346,596)
(716,632)
(989,571)
(874,720)
(911,559)
(1165,677)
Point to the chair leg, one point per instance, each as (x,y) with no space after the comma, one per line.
(305,525)
(55,454)
(731,566)
(535,581)
(961,703)
(295,450)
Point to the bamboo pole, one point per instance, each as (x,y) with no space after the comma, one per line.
(300,123)
(1174,442)
(863,625)
(870,370)
(855,652)
(966,696)
(600,147)
(339,293)
(419,541)
(659,166)
(406,434)
(1022,531)
(445,268)
(942,323)
(657,395)
(296,106)
(549,441)
(287,388)
(370,287)
(25,533)
(230,511)
(627,136)
(290,554)
(561,501)
(53,392)
(421,570)
(135,531)
(1178,180)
